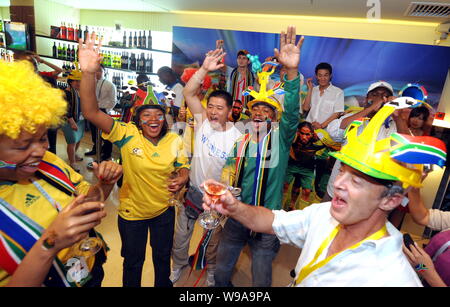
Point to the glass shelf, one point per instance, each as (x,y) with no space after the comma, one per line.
(118,69)
(111,47)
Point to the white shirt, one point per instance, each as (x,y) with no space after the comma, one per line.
(375,263)
(439,220)
(178,90)
(322,107)
(106,94)
(211,148)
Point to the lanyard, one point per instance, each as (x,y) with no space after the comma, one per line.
(53,202)
(310,267)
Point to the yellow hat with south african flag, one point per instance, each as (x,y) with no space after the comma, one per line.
(397,157)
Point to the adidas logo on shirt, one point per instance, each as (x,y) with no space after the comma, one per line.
(30,199)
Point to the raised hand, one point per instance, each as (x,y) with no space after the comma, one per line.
(213,60)
(309,83)
(88,55)
(289,53)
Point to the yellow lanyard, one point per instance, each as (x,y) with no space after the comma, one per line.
(310,267)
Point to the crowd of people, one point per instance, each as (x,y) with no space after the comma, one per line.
(308,172)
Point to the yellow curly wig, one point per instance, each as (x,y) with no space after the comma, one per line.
(27,101)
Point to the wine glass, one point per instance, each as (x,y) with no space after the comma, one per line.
(211,219)
(89,246)
(173,201)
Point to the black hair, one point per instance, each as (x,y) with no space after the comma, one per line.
(137,115)
(324,66)
(141,78)
(416,112)
(242,52)
(166,69)
(224,95)
(305,124)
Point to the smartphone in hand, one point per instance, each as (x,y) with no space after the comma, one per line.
(407,240)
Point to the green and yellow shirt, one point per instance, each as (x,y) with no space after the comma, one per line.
(146,170)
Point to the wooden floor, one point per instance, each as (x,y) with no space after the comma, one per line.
(283,263)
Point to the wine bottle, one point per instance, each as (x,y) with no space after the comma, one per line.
(124,43)
(55,50)
(133,62)
(86,33)
(139,40)
(80,32)
(126,64)
(73,53)
(64,52)
(59,51)
(70,32)
(68,54)
(144,41)
(63,31)
(130,40)
(149,40)
(135,40)
(141,63)
(76,54)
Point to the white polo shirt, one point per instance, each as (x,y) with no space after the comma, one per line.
(322,107)
(375,263)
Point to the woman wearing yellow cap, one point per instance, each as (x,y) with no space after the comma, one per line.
(40,218)
(150,154)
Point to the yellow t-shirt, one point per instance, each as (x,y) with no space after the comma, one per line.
(25,197)
(146,170)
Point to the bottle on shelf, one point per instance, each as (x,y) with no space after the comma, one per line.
(63,31)
(80,33)
(133,62)
(124,41)
(130,40)
(86,33)
(54,50)
(71,53)
(141,67)
(68,54)
(75,32)
(64,52)
(76,54)
(149,40)
(148,68)
(135,42)
(70,32)
(144,41)
(59,55)
(139,40)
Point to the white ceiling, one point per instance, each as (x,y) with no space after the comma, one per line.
(390,9)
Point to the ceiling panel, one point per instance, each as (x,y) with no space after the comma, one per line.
(389,9)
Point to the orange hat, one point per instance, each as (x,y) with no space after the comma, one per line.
(189,72)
